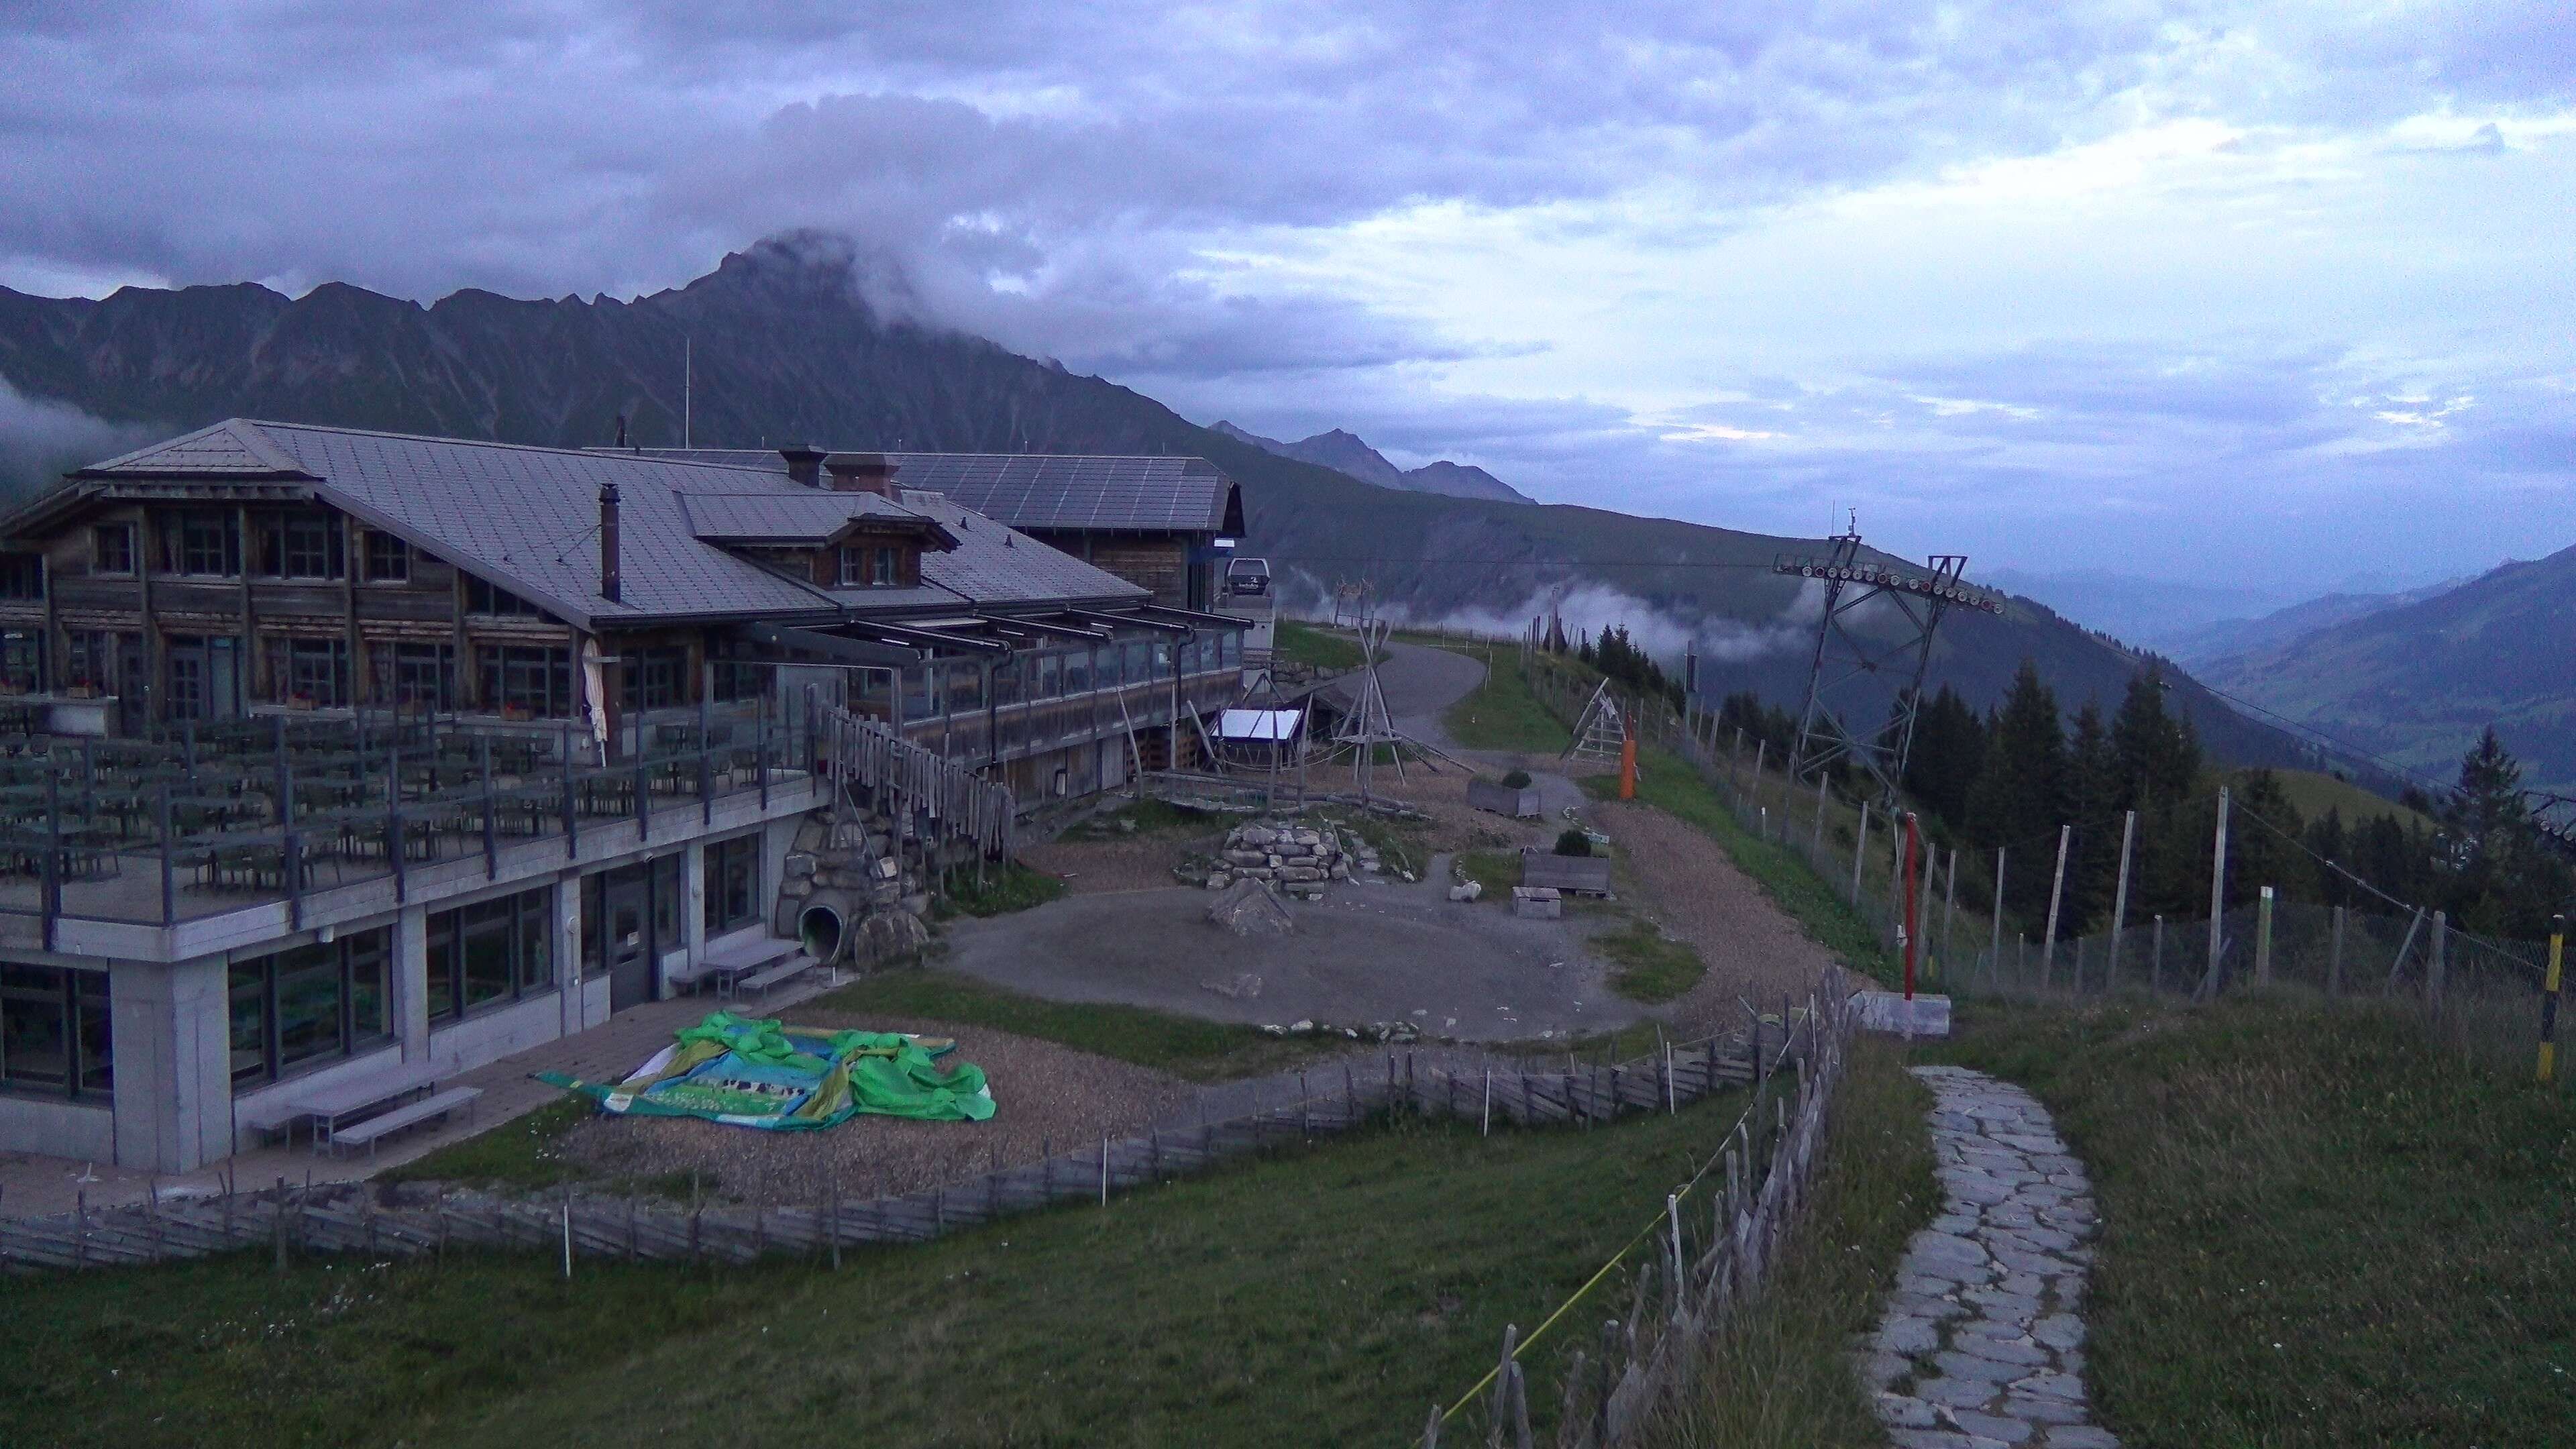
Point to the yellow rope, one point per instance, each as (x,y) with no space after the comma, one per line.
(1470,1396)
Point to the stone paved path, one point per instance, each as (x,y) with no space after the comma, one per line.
(1982,1344)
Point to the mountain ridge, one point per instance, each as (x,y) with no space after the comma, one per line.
(1345,452)
(787,350)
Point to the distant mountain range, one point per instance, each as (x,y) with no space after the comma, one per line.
(2417,681)
(2145,611)
(786,351)
(1345,453)
(2227,638)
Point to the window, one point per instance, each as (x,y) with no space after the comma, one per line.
(91,661)
(527,678)
(22,576)
(1006,679)
(416,676)
(54,1035)
(733,883)
(738,679)
(317,671)
(670,893)
(1230,648)
(205,543)
(388,558)
(302,1007)
(309,547)
(112,548)
(870,567)
(965,688)
(1047,680)
(1140,662)
(921,692)
(22,660)
(654,678)
(1162,659)
(491,953)
(1077,671)
(483,598)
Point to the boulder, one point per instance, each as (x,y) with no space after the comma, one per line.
(1467,892)
(889,936)
(1251,908)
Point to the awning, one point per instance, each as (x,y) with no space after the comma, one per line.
(1259,724)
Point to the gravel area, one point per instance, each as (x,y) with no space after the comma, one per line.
(1692,888)
(1044,1093)
(1096,867)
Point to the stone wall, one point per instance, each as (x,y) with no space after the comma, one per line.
(1299,859)
(868,863)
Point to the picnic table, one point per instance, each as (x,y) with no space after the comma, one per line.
(351,1097)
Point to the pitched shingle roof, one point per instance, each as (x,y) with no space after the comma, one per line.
(527,519)
(1145,494)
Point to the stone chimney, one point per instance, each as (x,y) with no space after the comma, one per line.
(861,473)
(608,580)
(804,464)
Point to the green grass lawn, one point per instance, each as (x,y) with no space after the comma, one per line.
(1186,1046)
(2318,1229)
(1319,1297)
(1651,967)
(1777,1376)
(1004,889)
(1496,870)
(1669,784)
(1302,643)
(1502,714)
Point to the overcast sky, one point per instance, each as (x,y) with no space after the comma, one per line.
(2215,292)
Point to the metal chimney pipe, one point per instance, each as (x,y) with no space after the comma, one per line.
(608,580)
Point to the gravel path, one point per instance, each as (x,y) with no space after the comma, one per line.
(1691,887)
(1045,1094)
(1982,1345)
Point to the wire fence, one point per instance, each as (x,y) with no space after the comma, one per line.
(1691,1265)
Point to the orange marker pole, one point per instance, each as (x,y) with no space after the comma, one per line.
(1628,768)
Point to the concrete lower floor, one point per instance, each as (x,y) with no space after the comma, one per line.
(174,1065)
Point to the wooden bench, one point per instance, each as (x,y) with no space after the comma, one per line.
(727,961)
(770,976)
(410,1114)
(276,1118)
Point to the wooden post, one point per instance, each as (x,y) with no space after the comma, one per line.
(2056,891)
(2263,938)
(2120,900)
(1949,918)
(2548,997)
(2217,900)
(1860,849)
(2434,964)
(1995,960)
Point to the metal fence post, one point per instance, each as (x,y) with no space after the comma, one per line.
(2217,900)
(2056,891)
(2263,938)
(1860,850)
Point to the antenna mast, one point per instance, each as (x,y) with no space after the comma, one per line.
(688,378)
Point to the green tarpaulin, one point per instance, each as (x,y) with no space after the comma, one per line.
(750,1073)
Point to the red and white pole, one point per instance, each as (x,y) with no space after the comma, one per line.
(1911,935)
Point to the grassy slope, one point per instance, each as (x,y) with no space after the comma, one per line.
(2319,1230)
(1323,1297)
(1301,643)
(2314,793)
(1778,1376)
(1502,714)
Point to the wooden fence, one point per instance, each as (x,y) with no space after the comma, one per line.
(1696,1265)
(907,779)
(408,1220)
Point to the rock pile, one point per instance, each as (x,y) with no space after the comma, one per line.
(1299,859)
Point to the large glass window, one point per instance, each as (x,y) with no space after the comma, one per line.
(1006,679)
(733,883)
(490,953)
(22,660)
(1140,661)
(308,1005)
(111,548)
(54,1032)
(22,576)
(529,679)
(388,558)
(309,547)
(668,895)
(317,671)
(483,598)
(656,678)
(1230,648)
(1077,671)
(207,543)
(1108,669)
(965,688)
(416,676)
(1046,679)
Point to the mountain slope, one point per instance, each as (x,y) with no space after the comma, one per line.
(784,350)
(2418,682)
(1344,452)
(2227,638)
